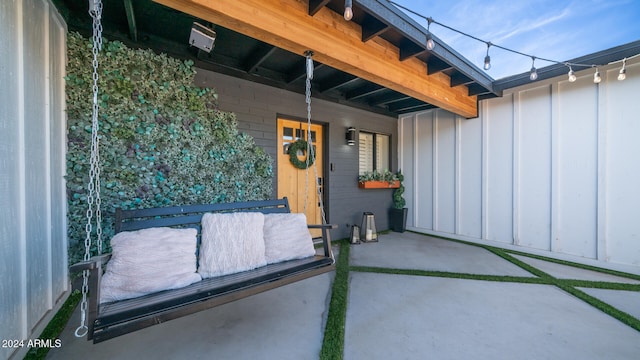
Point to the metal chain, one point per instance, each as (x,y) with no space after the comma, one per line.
(95,140)
(309,66)
(93,196)
(310,150)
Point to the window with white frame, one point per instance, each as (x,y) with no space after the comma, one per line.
(374,152)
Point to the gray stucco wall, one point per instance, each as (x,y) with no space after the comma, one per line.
(258,106)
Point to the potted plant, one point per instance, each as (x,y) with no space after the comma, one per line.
(398,214)
(378,180)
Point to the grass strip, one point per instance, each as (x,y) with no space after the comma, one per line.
(577,265)
(333,342)
(55,326)
(451,275)
(539,257)
(569,286)
(601,305)
(503,254)
(601,285)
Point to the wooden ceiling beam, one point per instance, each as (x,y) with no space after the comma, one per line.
(335,42)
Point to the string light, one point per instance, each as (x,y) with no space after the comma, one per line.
(571,74)
(533,73)
(487,59)
(596,76)
(348,10)
(623,72)
(430,43)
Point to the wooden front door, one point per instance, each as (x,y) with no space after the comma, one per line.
(298,185)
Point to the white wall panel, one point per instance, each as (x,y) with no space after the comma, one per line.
(37,160)
(533,177)
(498,163)
(406,161)
(425,177)
(12,288)
(33,242)
(58,148)
(622,110)
(445,172)
(549,167)
(576,174)
(469,198)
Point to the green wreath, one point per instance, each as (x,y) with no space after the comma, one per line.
(299,145)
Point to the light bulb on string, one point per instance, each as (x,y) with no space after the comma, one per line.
(487,59)
(596,77)
(348,10)
(430,43)
(623,72)
(571,74)
(534,73)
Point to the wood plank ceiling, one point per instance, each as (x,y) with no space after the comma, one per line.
(376,62)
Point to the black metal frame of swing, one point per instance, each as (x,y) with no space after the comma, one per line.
(109,320)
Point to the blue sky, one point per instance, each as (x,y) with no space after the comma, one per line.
(553,29)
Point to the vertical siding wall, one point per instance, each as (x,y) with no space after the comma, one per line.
(550,167)
(258,106)
(33,244)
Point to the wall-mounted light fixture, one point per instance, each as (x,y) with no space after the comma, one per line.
(351,136)
(202,37)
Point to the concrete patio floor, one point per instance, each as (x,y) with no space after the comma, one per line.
(392,316)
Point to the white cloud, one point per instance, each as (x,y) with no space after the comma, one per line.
(526,25)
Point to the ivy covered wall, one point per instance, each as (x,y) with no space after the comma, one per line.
(163,141)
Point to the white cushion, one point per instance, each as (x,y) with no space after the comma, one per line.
(231,242)
(148,261)
(286,237)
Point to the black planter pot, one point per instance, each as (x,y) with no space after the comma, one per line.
(398,219)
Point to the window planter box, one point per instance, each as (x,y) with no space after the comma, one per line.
(376,184)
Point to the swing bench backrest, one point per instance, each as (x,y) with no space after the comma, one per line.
(108,320)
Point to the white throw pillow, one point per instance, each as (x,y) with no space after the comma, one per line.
(231,243)
(149,260)
(286,237)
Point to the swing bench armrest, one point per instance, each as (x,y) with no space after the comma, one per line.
(94,266)
(326,239)
(322,226)
(94,263)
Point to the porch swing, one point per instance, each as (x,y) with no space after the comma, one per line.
(101,321)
